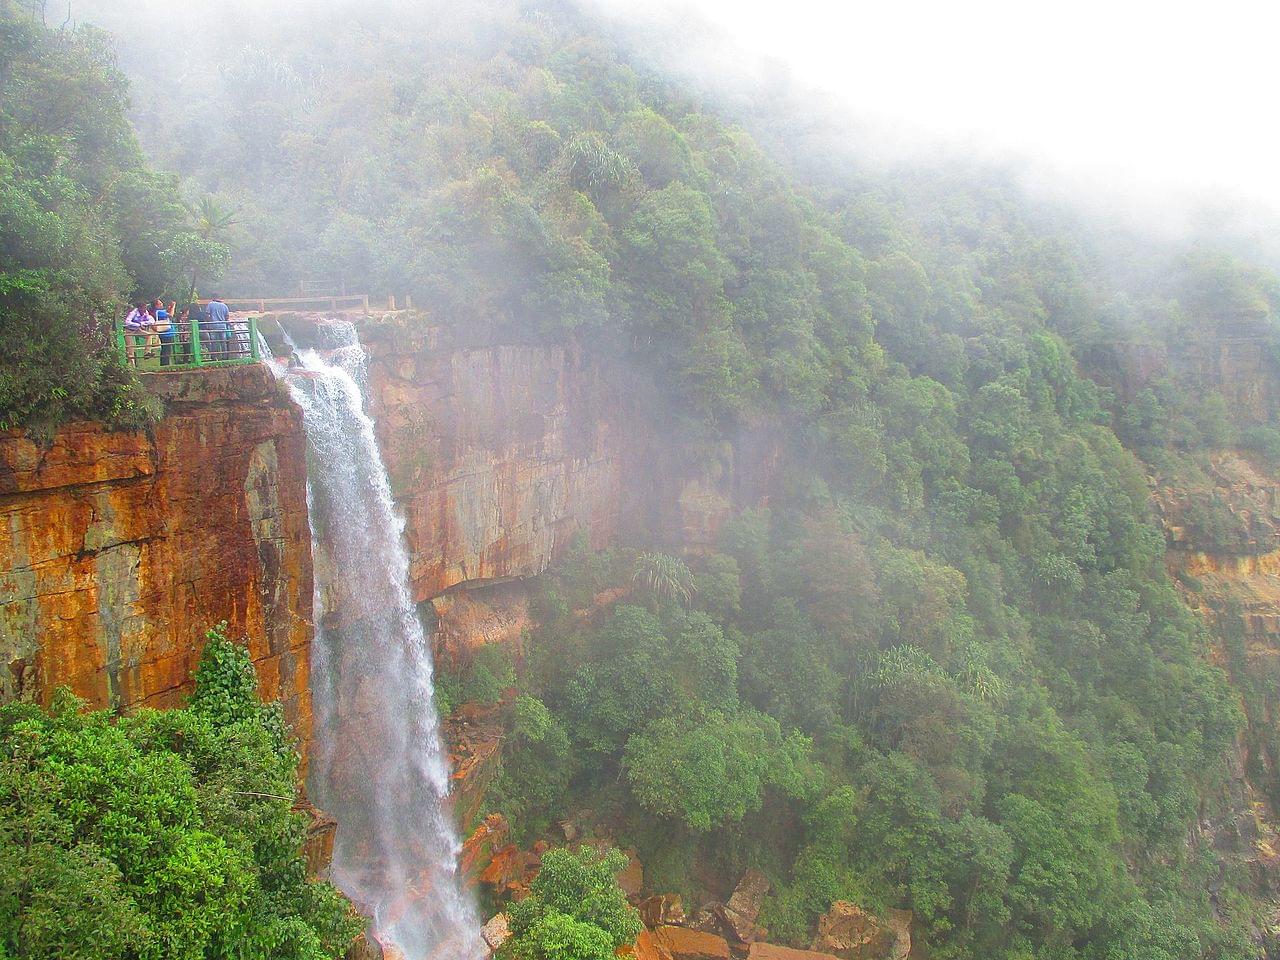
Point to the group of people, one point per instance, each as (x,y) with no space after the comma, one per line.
(152,328)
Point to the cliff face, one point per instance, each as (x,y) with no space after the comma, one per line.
(1228,570)
(498,456)
(1241,368)
(119,550)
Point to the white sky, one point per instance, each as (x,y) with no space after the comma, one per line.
(1140,102)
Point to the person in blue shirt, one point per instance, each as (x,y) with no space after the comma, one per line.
(164,329)
(217,325)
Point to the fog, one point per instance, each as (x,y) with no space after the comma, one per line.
(1143,105)
(1155,111)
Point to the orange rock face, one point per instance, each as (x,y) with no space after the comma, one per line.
(119,550)
(768,951)
(473,736)
(645,948)
(469,620)
(497,455)
(685,944)
(485,842)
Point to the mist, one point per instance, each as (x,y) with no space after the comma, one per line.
(1152,120)
(1152,109)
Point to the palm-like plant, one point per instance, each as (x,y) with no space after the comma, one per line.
(212,217)
(665,578)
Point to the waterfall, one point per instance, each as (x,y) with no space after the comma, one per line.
(376,762)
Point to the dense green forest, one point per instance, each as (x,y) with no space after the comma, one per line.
(945,670)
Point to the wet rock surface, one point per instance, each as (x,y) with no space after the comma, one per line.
(683,943)
(119,550)
(497,455)
(851,933)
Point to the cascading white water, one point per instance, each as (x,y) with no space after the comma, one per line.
(376,761)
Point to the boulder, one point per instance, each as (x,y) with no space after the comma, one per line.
(851,933)
(685,944)
(364,948)
(631,877)
(900,922)
(742,909)
(645,948)
(496,932)
(768,951)
(664,910)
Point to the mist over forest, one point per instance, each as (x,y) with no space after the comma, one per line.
(976,634)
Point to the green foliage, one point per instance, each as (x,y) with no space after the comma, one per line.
(83,222)
(718,586)
(226,688)
(1212,525)
(167,834)
(557,936)
(485,679)
(575,909)
(709,770)
(642,668)
(666,579)
(536,768)
(490,673)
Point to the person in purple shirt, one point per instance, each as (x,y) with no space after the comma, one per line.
(135,331)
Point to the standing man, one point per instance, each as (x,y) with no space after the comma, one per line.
(217,319)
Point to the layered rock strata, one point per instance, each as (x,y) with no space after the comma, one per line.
(498,455)
(119,550)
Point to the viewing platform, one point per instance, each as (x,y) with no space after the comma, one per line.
(191,344)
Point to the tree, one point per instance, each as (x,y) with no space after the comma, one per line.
(168,834)
(83,222)
(710,770)
(575,909)
(536,764)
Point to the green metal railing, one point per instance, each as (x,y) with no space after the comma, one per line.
(197,343)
